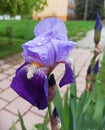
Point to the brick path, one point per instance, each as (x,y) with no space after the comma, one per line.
(10,102)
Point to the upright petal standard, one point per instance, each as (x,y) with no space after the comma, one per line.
(42,54)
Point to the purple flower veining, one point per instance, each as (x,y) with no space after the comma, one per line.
(42,54)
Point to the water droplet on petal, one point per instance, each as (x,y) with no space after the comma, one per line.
(39,43)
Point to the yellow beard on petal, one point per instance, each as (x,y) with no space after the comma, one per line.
(31,69)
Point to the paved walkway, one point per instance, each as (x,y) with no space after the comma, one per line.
(10,102)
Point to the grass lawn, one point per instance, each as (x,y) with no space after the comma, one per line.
(14,33)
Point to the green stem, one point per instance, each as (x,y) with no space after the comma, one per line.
(49,110)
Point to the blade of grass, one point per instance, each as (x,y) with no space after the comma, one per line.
(13,126)
(66,109)
(21,121)
(98,114)
(73,102)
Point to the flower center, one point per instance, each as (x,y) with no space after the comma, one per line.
(31,69)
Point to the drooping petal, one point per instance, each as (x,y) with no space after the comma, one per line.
(68,76)
(52,24)
(34,90)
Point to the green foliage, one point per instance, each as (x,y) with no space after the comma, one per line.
(13,126)
(86,113)
(39,126)
(101,76)
(22,7)
(21,121)
(39,5)
(94,7)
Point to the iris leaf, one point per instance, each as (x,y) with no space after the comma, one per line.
(59,106)
(73,103)
(21,121)
(13,126)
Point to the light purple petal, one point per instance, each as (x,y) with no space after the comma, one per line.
(68,76)
(33,90)
(52,24)
(62,49)
(47,53)
(40,49)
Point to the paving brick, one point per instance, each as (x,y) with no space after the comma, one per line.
(80,79)
(9,71)
(58,71)
(5,66)
(2,103)
(8,94)
(2,76)
(11,77)
(18,104)
(30,119)
(1,90)
(79,93)
(4,84)
(17,66)
(80,87)
(1,62)
(83,73)
(39,112)
(6,119)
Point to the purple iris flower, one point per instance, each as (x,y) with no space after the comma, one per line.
(42,54)
(96,67)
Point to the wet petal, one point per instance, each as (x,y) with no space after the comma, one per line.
(62,49)
(34,90)
(68,76)
(52,24)
(40,50)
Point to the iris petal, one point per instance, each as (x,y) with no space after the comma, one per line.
(34,90)
(53,24)
(68,76)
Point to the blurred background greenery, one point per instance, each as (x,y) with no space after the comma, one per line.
(13,33)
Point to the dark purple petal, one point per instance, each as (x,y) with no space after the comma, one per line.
(52,24)
(98,25)
(34,90)
(68,76)
(96,67)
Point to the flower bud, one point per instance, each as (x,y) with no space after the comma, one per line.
(96,67)
(97,31)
